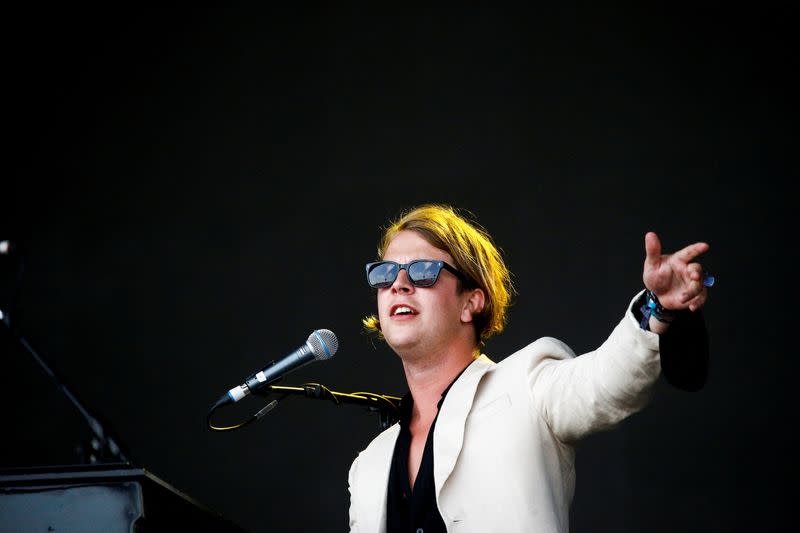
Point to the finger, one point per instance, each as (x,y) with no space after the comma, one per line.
(695,271)
(698,301)
(693,290)
(652,247)
(692,251)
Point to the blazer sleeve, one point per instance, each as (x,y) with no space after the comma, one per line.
(577,396)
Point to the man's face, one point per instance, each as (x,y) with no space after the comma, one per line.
(436,312)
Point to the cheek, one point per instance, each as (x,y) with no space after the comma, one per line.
(381,306)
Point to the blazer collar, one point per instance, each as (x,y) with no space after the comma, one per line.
(375,491)
(448,437)
(448,434)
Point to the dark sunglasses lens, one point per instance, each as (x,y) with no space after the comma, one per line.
(424,273)
(382,275)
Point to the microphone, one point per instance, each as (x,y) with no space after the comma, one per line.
(320,345)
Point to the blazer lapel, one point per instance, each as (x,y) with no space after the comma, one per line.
(448,434)
(374,491)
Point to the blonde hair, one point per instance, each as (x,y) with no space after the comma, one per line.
(474,254)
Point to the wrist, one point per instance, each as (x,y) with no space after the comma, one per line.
(656,310)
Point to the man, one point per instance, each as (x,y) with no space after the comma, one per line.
(490,447)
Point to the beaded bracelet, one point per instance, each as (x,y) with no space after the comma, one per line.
(656,310)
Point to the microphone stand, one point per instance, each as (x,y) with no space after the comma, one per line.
(103,447)
(387,407)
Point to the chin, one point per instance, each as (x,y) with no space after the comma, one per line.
(400,340)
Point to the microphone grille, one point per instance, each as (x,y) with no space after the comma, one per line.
(323,343)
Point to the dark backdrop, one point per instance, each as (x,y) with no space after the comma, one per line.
(194,191)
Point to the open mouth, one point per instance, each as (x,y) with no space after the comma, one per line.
(402,310)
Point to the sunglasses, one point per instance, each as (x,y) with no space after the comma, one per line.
(421,272)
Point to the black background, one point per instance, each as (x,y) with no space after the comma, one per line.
(193,191)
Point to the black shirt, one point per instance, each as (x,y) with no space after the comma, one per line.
(406,510)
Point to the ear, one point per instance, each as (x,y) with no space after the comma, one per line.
(473,305)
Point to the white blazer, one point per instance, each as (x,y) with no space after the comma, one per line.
(503,440)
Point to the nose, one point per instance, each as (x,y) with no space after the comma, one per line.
(402,283)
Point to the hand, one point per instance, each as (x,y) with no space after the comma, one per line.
(675,280)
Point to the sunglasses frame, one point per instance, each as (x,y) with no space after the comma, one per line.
(405,266)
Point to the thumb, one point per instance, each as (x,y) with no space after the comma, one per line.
(652,247)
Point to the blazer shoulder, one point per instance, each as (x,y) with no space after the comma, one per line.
(539,350)
(385,438)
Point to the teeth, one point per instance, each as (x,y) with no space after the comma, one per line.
(403,310)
